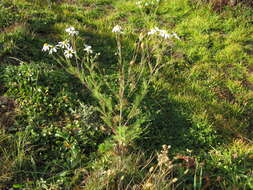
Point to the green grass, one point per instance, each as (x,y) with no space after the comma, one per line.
(200,100)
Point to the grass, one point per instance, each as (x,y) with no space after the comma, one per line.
(54,134)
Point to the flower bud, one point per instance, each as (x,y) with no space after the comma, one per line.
(142,45)
(141,37)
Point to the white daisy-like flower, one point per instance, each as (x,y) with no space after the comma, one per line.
(46,47)
(117,29)
(64,44)
(72,31)
(88,49)
(69,52)
(52,49)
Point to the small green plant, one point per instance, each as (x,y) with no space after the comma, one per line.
(62,130)
(232,165)
(9,14)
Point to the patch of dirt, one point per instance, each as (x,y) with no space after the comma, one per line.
(2,89)
(7,112)
(218,5)
(224,93)
(12,27)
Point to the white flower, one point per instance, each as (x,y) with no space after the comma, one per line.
(165,34)
(88,49)
(64,44)
(68,53)
(117,29)
(46,47)
(52,50)
(175,36)
(72,31)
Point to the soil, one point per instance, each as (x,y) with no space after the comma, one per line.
(7,112)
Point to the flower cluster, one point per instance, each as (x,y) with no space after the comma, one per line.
(155,31)
(65,45)
(163,158)
(117,29)
(162,33)
(72,31)
(69,51)
(145,3)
